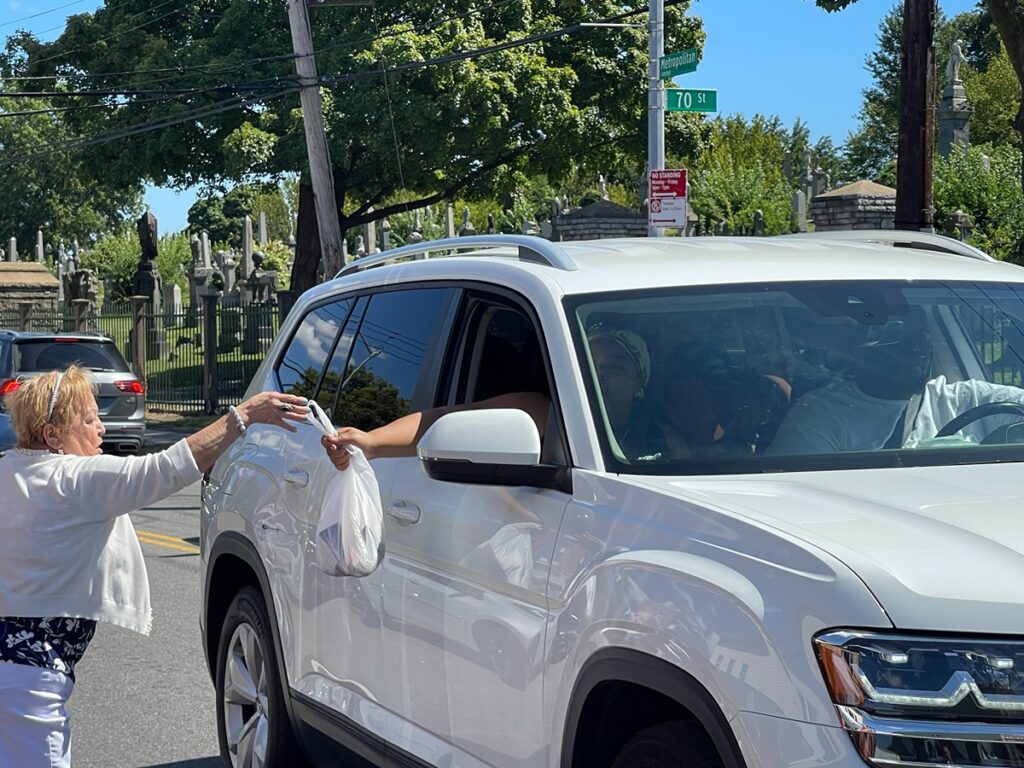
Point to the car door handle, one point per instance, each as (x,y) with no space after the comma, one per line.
(404,512)
(297,477)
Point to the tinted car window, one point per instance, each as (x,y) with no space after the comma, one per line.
(48,355)
(387,354)
(299,369)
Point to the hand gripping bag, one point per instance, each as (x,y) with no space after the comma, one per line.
(349,534)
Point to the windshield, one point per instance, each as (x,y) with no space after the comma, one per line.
(804,376)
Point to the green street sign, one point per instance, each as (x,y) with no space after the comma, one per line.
(679,63)
(691,100)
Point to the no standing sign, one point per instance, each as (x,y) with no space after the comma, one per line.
(667,206)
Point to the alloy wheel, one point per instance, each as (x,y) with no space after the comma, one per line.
(245,699)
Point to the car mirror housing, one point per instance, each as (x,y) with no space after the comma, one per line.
(483,436)
(492,446)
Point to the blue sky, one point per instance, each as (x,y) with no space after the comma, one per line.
(775,57)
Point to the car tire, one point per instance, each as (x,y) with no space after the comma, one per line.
(252,723)
(676,744)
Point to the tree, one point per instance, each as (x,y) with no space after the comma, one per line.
(223,216)
(54,194)
(739,171)
(463,127)
(984,182)
(1008,19)
(871,148)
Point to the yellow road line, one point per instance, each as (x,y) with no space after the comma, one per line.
(163,540)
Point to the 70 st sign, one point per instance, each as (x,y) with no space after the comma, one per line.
(691,100)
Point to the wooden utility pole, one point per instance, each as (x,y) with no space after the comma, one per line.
(917,117)
(316,139)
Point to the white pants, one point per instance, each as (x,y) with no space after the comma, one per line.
(35,729)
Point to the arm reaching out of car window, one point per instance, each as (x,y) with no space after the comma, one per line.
(399,437)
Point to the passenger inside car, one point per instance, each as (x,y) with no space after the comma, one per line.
(890,398)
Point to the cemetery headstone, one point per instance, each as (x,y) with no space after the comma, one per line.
(262,228)
(12,249)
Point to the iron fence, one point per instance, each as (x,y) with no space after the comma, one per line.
(175,353)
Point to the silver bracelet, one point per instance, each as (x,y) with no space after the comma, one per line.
(238,418)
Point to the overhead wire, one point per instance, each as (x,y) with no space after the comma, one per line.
(40,13)
(134,130)
(119,32)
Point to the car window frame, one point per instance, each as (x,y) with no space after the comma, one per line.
(423,394)
(332,299)
(456,360)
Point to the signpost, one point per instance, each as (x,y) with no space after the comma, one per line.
(691,100)
(668,198)
(680,63)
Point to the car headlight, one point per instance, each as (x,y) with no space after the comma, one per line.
(925,701)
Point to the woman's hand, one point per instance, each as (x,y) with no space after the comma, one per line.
(335,445)
(275,408)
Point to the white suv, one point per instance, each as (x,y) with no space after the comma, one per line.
(796,540)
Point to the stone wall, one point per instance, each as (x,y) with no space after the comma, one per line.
(599,220)
(27,282)
(861,205)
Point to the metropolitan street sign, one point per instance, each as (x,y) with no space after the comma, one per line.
(691,100)
(680,63)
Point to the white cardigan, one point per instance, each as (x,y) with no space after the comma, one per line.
(67,545)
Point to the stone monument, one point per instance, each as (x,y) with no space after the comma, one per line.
(147,283)
(954,113)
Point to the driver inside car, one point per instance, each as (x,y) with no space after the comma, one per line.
(889,383)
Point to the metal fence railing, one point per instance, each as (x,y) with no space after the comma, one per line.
(176,353)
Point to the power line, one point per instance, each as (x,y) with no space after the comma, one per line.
(184,69)
(143,92)
(52,110)
(41,13)
(129,131)
(118,33)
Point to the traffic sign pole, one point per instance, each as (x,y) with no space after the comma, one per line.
(655,98)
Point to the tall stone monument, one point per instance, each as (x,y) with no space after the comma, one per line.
(954,113)
(147,283)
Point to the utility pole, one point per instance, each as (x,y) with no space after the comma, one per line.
(916,142)
(316,140)
(655,98)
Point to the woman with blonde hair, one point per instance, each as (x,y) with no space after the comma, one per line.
(69,556)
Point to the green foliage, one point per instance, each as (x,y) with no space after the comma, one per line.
(277,256)
(740,172)
(54,193)
(994,95)
(248,150)
(222,216)
(465,129)
(115,257)
(984,182)
(872,146)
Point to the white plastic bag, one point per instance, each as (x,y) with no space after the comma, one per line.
(349,535)
(350,532)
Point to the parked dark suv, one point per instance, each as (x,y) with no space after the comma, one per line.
(120,396)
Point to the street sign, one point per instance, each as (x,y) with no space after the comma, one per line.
(667,201)
(680,63)
(691,100)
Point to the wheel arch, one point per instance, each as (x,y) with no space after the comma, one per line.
(233,564)
(595,707)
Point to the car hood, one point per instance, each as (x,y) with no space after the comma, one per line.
(941,548)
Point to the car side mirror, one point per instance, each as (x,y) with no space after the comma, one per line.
(487,446)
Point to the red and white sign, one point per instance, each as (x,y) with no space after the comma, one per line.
(667,206)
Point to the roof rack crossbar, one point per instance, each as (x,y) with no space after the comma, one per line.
(529,248)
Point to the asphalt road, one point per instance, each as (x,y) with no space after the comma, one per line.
(148,701)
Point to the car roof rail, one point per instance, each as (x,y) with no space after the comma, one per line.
(899,238)
(536,250)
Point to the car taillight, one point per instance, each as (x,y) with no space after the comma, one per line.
(8,386)
(133,386)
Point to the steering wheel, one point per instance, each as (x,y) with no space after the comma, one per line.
(979,412)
